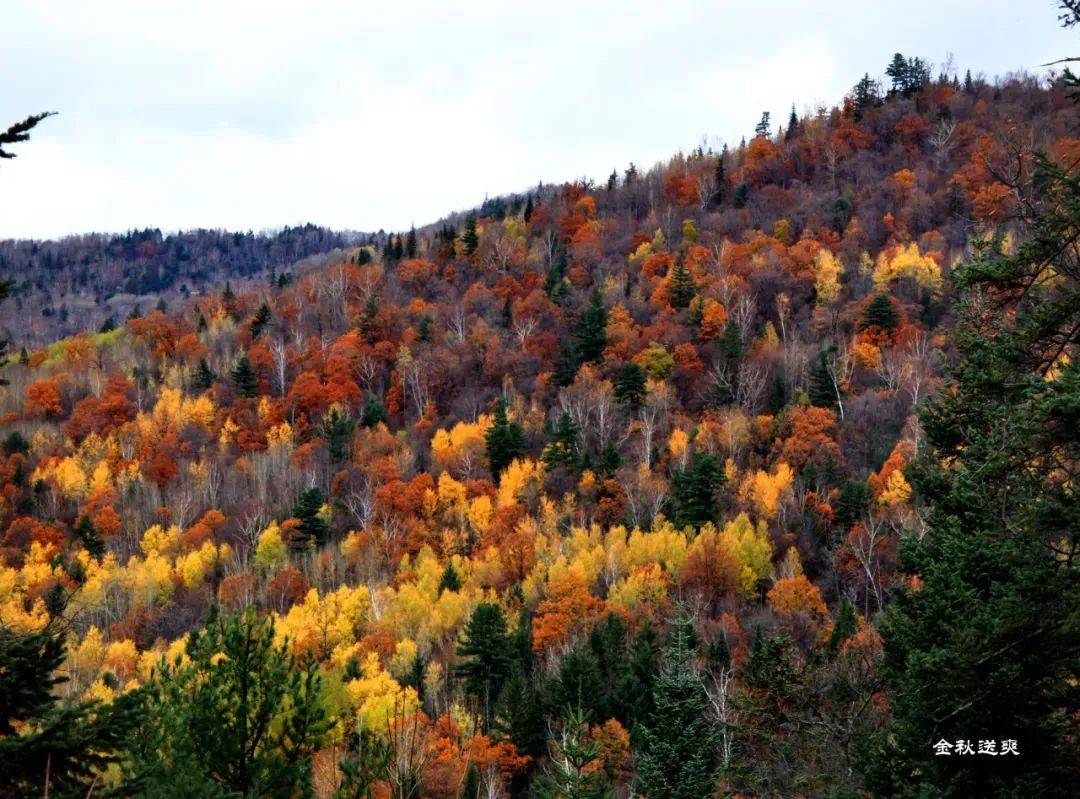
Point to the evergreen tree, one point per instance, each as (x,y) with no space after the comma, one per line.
(365,767)
(374,412)
(577,686)
(410,243)
(564,446)
(731,343)
(570,772)
(865,96)
(742,195)
(240,718)
(792,125)
(528,212)
(823,390)
(852,501)
(612,181)
(260,320)
(880,313)
(91,541)
(48,747)
(846,625)
(763,127)
(635,689)
(505,441)
(720,178)
(20,132)
(243,377)
(313,529)
(897,71)
(682,288)
(969,84)
(677,753)
(108,325)
(592,330)
(694,490)
(470,241)
(486,659)
(987,647)
(338,428)
(630,386)
(450,580)
(778,393)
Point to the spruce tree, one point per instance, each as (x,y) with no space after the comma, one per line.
(570,772)
(845,626)
(792,125)
(91,541)
(486,660)
(592,330)
(986,648)
(373,412)
(630,387)
(823,391)
(450,580)
(48,747)
(564,446)
(682,288)
(338,428)
(763,128)
(880,313)
(470,241)
(720,178)
(313,529)
(243,377)
(410,243)
(694,490)
(677,753)
(260,320)
(505,441)
(239,717)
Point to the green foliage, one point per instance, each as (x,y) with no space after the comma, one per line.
(338,429)
(470,241)
(677,753)
(48,748)
(682,288)
(987,647)
(630,388)
(824,391)
(373,412)
(450,580)
(260,320)
(203,379)
(880,313)
(694,490)
(242,718)
(486,659)
(568,774)
(244,378)
(313,529)
(20,132)
(591,331)
(564,446)
(505,441)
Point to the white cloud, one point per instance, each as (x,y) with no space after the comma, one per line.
(254,115)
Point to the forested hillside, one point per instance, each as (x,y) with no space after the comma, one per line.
(85,282)
(603,490)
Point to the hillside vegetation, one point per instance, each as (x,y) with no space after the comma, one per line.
(605,490)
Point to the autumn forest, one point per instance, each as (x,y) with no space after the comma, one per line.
(749,474)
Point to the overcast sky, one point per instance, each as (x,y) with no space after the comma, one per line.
(378,115)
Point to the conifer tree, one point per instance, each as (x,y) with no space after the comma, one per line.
(683,288)
(239,717)
(486,660)
(630,386)
(592,330)
(338,428)
(20,132)
(763,128)
(505,441)
(450,580)
(845,626)
(410,243)
(470,241)
(677,753)
(48,747)
(823,390)
(570,772)
(528,212)
(880,313)
(564,446)
(313,529)
(260,320)
(792,125)
(373,412)
(694,490)
(91,541)
(244,378)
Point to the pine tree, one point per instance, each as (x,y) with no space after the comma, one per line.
(246,728)
(694,490)
(592,330)
(470,241)
(373,412)
(846,625)
(613,181)
(880,313)
(91,541)
(505,441)
(898,73)
(969,84)
(20,132)
(763,127)
(570,772)
(731,343)
(260,320)
(528,212)
(742,195)
(630,386)
(410,243)
(486,660)
(677,753)
(865,96)
(564,446)
(720,178)
(313,529)
(243,377)
(450,580)
(792,125)
(823,390)
(682,288)
(989,641)
(48,747)
(577,686)
(338,428)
